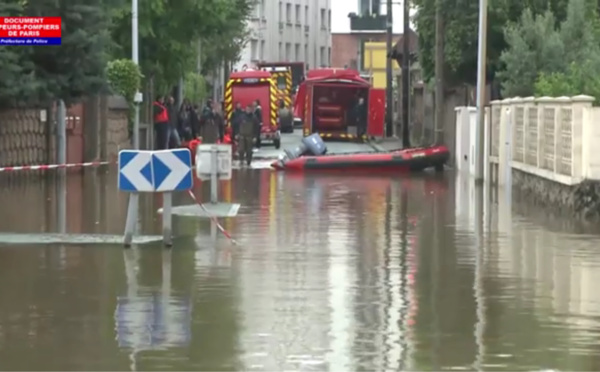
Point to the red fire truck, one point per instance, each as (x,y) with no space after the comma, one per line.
(327,97)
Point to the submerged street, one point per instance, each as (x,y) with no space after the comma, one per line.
(331,273)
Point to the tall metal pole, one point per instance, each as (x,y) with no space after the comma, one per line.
(61,129)
(481,72)
(133,206)
(406,75)
(389,124)
(439,74)
(135,59)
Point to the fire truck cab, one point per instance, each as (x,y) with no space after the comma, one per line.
(246,87)
(326,103)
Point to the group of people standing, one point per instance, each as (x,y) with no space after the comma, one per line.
(173,124)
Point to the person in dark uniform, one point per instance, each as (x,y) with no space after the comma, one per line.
(174,140)
(219,121)
(209,124)
(236,118)
(247,135)
(361,117)
(286,119)
(259,119)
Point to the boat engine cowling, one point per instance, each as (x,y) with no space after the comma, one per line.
(315,144)
(296,152)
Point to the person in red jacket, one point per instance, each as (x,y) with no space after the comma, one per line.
(161,124)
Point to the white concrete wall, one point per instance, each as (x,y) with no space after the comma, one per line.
(303,37)
(552,138)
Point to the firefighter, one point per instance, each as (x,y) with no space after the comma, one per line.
(259,118)
(361,117)
(209,124)
(236,117)
(247,135)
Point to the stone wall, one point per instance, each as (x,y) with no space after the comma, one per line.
(28,136)
(581,200)
(23,137)
(117,132)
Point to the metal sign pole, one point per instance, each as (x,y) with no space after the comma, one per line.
(132,216)
(214,181)
(167,219)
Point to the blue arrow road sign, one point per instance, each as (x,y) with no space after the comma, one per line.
(172,170)
(155,171)
(135,171)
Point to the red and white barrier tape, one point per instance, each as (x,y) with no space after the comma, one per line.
(53,166)
(213,218)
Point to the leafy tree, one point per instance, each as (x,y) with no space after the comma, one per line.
(581,41)
(534,46)
(195,87)
(16,74)
(461,33)
(227,46)
(542,60)
(75,68)
(170,29)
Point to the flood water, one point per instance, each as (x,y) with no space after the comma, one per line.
(331,273)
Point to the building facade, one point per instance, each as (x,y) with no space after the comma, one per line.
(289,30)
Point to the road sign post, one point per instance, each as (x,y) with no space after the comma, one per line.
(213,162)
(214,175)
(161,171)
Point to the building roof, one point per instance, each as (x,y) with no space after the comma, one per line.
(413,45)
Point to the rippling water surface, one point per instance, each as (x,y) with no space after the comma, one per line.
(332,273)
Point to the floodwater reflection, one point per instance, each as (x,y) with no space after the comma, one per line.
(332,272)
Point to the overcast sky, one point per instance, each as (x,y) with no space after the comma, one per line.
(341,8)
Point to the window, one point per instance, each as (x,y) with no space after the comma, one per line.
(281,56)
(254,49)
(298,14)
(288,51)
(281,83)
(368,7)
(306,16)
(259,9)
(364,7)
(323,20)
(329,19)
(261,55)
(323,57)
(329,56)
(298,56)
(305,52)
(280,11)
(288,13)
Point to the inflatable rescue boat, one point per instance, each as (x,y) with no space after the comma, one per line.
(311,155)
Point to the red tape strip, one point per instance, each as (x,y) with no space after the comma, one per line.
(213,218)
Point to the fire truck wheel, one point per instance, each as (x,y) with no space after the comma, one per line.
(277,143)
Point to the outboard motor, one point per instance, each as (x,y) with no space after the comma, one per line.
(296,152)
(315,144)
